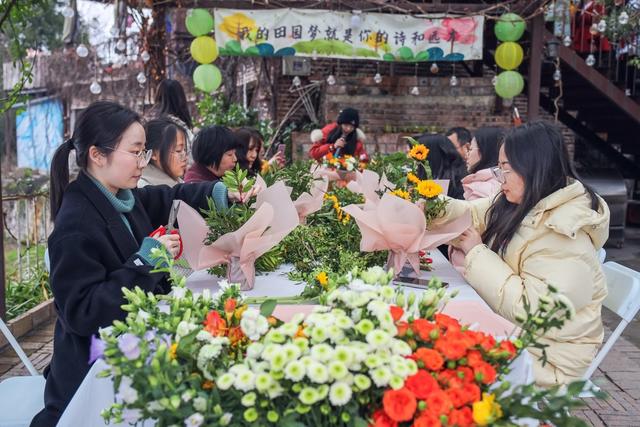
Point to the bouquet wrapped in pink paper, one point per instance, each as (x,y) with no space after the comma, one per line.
(400,226)
(370,184)
(311,202)
(240,249)
(338,177)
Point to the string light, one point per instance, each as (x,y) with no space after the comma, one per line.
(141,78)
(82,51)
(434,68)
(377,78)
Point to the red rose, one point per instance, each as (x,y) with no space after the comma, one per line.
(507,346)
(423,328)
(427,419)
(447,322)
(488,342)
(465,374)
(471,392)
(396,312)
(439,403)
(487,372)
(451,349)
(380,419)
(215,324)
(457,396)
(422,384)
(474,358)
(461,417)
(399,405)
(431,359)
(402,328)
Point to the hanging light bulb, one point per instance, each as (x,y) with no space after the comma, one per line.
(121,45)
(82,51)
(591,60)
(377,78)
(434,68)
(145,56)
(356,21)
(623,19)
(68,12)
(141,78)
(494,80)
(453,81)
(314,54)
(567,41)
(415,91)
(95,88)
(331,80)
(296,81)
(593,29)
(557,75)
(602,26)
(627,92)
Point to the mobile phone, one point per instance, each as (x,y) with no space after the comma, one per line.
(281,149)
(414,282)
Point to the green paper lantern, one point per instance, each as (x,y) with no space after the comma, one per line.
(199,22)
(510,27)
(509,55)
(204,49)
(207,78)
(509,84)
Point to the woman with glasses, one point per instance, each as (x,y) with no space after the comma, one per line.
(168,143)
(100,241)
(544,228)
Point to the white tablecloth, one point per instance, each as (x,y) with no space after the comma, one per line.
(96,394)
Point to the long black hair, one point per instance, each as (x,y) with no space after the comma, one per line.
(351,139)
(162,134)
(101,125)
(244,137)
(536,152)
(445,163)
(170,99)
(488,140)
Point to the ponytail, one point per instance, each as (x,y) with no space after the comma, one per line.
(59,177)
(101,125)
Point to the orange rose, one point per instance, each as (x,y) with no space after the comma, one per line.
(474,358)
(380,419)
(215,324)
(471,392)
(486,372)
(431,359)
(457,396)
(402,328)
(230,305)
(451,349)
(423,328)
(399,405)
(427,419)
(449,378)
(422,384)
(488,342)
(461,417)
(396,312)
(447,322)
(439,403)
(508,347)
(465,374)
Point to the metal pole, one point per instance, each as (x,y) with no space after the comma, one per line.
(535,68)
(3,308)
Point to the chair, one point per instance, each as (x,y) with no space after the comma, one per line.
(602,255)
(20,397)
(623,285)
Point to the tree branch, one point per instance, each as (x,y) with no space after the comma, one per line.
(7,12)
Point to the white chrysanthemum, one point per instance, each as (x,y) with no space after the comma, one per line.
(254,350)
(245,381)
(335,333)
(365,326)
(238,369)
(195,420)
(400,347)
(289,329)
(321,352)
(344,322)
(396,382)
(362,382)
(302,343)
(253,324)
(204,336)
(248,399)
(275,336)
(319,334)
(378,308)
(308,396)
(295,371)
(399,367)
(307,360)
(356,315)
(275,391)
(339,394)
(199,404)
(388,293)
(291,351)
(359,285)
(323,391)
(381,376)
(378,338)
(297,318)
(318,373)
(278,362)
(566,303)
(225,381)
(270,350)
(263,382)
(337,370)
(344,354)
(412,367)
(372,361)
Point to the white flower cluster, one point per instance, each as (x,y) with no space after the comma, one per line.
(335,353)
(209,352)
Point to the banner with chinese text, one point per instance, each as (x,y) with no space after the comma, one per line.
(324,33)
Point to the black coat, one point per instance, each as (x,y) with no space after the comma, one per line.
(93,255)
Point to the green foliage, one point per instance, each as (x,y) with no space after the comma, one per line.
(29,289)
(296,175)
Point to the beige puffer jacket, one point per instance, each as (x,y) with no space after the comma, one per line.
(557,244)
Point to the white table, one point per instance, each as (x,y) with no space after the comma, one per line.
(96,394)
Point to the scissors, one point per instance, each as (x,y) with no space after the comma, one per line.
(170,229)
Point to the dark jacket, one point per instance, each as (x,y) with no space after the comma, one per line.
(199,173)
(93,255)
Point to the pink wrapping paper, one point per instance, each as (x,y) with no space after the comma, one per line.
(318,171)
(259,234)
(368,183)
(308,203)
(399,226)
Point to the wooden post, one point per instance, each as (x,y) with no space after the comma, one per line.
(535,67)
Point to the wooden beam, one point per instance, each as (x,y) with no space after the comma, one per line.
(535,68)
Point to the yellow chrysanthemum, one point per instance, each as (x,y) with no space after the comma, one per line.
(486,411)
(429,188)
(401,193)
(173,351)
(413,178)
(322,278)
(419,152)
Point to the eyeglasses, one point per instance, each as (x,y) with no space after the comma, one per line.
(181,154)
(143,156)
(500,174)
